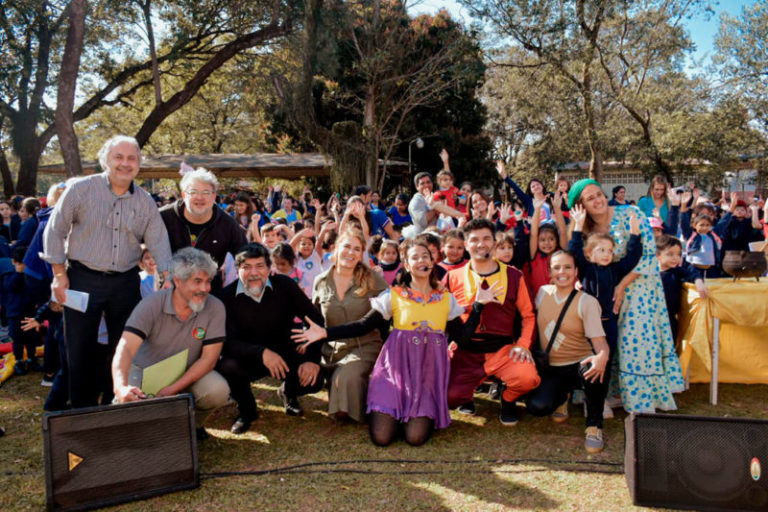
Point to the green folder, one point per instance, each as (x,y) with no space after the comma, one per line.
(161,374)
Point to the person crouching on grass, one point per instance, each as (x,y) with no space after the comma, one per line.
(408,387)
(579,353)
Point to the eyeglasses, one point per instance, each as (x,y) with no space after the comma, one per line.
(259,267)
(204,193)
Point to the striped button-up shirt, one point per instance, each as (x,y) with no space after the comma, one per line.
(103,231)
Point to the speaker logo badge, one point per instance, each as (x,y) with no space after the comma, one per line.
(74,460)
(198,333)
(754,469)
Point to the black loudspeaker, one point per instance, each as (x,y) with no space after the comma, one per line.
(694,462)
(100,456)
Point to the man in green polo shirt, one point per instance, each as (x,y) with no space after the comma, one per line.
(168,323)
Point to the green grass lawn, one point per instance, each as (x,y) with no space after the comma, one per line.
(476,464)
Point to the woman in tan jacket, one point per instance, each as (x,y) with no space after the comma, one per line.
(342,294)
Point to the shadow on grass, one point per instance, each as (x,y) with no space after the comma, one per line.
(314,463)
(475,461)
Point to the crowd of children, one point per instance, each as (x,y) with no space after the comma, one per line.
(692,235)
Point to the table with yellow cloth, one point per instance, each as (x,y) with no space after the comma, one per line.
(742,310)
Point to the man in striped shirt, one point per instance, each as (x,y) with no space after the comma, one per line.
(93,243)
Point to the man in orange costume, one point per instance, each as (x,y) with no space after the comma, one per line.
(493,350)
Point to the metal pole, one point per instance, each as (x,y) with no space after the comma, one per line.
(409,159)
(715,362)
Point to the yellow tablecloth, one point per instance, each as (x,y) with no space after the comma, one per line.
(742,308)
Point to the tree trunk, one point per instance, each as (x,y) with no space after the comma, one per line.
(5,171)
(27,147)
(653,152)
(595,147)
(371,165)
(661,166)
(349,161)
(596,162)
(591,35)
(369,136)
(26,183)
(65,97)
(593,139)
(147,9)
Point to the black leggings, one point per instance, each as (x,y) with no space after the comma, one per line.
(556,383)
(22,339)
(384,428)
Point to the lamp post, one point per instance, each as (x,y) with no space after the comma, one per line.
(419,144)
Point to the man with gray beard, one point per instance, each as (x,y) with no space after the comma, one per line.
(261,311)
(171,321)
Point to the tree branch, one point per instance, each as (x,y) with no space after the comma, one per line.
(178,100)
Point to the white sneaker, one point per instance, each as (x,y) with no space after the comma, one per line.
(614,402)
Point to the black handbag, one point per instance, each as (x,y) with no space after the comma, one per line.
(541,357)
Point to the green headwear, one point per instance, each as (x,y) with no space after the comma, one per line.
(577,188)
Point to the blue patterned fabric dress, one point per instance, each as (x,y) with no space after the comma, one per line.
(648,369)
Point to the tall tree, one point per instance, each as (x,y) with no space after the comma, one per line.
(278,23)
(226,115)
(562,35)
(378,67)
(199,35)
(742,57)
(31,33)
(642,45)
(457,121)
(65,98)
(533,121)
(534,117)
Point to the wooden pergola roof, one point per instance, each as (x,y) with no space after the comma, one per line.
(258,165)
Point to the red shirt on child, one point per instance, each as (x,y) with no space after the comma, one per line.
(451,196)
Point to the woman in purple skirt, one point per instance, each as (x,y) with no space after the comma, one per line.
(409,382)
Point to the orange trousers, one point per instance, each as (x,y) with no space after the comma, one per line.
(470,369)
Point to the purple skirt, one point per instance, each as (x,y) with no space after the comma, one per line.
(410,377)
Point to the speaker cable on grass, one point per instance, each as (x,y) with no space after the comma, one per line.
(601,467)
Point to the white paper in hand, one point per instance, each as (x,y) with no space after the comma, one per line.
(77,300)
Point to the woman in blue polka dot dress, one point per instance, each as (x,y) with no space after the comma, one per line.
(648,371)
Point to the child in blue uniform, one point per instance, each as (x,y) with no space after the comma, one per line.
(599,274)
(669,252)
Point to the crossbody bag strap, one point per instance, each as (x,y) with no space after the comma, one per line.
(591,346)
(560,320)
